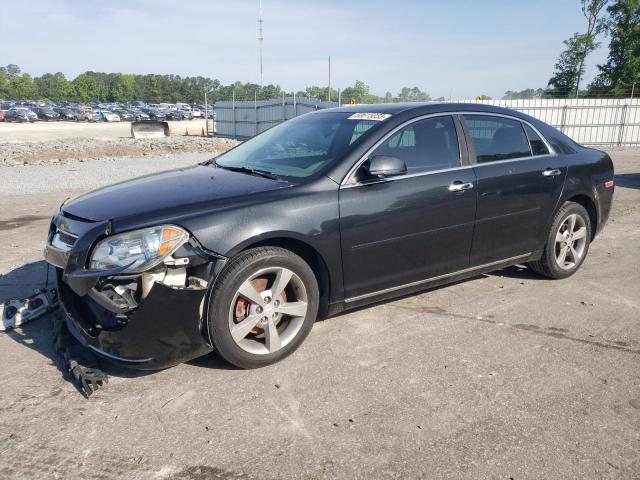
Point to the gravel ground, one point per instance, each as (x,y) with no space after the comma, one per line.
(78,149)
(75,175)
(502,376)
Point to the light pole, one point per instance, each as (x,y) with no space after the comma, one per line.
(206,109)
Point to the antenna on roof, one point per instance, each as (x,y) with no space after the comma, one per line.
(260,39)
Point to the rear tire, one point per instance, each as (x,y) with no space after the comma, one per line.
(567,244)
(248,327)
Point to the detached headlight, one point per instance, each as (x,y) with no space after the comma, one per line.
(140,249)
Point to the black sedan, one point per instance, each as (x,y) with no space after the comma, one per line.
(155,113)
(47,114)
(331,210)
(66,113)
(174,115)
(125,115)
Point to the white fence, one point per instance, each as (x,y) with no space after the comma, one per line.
(603,122)
(587,121)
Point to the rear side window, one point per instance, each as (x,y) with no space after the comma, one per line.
(426,145)
(497,138)
(538,147)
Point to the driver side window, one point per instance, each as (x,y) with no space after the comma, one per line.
(426,145)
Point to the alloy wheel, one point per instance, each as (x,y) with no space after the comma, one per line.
(268,310)
(571,241)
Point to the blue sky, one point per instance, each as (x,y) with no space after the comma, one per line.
(451,48)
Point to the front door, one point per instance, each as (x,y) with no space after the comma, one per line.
(411,227)
(519,184)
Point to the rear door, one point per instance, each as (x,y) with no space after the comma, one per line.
(520,181)
(411,227)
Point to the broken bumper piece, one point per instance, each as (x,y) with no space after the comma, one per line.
(147,321)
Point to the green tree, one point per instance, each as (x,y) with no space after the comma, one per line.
(21,87)
(622,69)
(54,86)
(321,93)
(359,93)
(12,71)
(527,93)
(413,95)
(3,82)
(570,65)
(85,87)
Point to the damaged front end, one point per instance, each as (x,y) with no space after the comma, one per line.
(138,298)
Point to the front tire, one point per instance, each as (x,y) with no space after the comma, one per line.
(567,244)
(262,307)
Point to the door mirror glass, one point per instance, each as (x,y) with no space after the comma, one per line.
(386,166)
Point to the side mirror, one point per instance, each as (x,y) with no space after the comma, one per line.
(386,166)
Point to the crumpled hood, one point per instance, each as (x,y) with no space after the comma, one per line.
(161,195)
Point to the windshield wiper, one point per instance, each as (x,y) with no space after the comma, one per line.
(248,170)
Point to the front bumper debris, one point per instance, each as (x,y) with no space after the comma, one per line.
(145,321)
(77,363)
(17,311)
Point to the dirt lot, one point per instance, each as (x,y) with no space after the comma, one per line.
(503,376)
(42,131)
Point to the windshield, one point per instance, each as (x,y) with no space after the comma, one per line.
(300,147)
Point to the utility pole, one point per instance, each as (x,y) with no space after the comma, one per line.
(260,39)
(633,89)
(329,94)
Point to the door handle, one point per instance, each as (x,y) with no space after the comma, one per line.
(459,186)
(551,172)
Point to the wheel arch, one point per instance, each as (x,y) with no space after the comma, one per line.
(590,206)
(309,254)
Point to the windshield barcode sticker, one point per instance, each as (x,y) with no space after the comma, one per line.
(378,117)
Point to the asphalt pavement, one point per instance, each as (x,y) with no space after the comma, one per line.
(506,375)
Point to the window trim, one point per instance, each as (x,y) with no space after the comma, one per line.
(473,159)
(529,140)
(461,144)
(466,143)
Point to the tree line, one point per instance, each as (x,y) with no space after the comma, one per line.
(152,88)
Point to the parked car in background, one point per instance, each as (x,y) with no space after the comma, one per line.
(186,114)
(174,115)
(31,115)
(138,115)
(87,115)
(155,113)
(19,115)
(2,112)
(108,116)
(47,114)
(66,113)
(196,112)
(124,115)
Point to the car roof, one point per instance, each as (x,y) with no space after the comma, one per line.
(421,107)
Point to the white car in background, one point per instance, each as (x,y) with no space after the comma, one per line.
(108,116)
(196,112)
